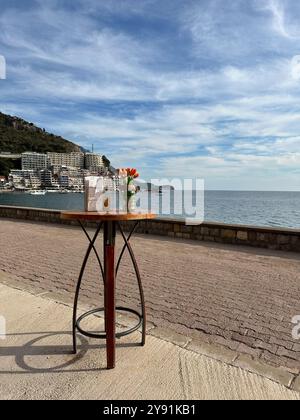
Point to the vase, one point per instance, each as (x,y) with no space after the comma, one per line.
(122,194)
(131,204)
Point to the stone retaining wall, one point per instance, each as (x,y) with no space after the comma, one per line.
(272,238)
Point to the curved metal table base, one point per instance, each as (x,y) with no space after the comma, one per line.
(109,274)
(102,335)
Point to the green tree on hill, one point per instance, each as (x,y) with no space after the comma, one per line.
(18,136)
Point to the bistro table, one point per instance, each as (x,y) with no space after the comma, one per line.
(110,221)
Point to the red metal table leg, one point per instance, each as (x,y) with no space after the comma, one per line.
(110,292)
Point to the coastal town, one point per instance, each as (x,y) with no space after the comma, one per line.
(58,172)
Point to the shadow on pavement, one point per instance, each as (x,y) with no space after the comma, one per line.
(32,350)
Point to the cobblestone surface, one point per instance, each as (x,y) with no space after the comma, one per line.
(243,299)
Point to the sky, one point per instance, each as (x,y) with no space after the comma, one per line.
(178,88)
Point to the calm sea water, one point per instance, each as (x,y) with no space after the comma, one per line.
(277,209)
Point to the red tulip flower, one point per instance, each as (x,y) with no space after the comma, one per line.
(132,173)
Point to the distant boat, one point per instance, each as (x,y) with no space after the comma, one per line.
(38,192)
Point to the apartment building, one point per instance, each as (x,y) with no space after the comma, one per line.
(48,180)
(20,178)
(57,170)
(71,178)
(34,161)
(76,183)
(94,163)
(72,160)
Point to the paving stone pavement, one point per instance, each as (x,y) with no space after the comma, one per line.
(240,298)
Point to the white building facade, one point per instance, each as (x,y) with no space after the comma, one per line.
(94,163)
(34,161)
(72,160)
(57,170)
(29,178)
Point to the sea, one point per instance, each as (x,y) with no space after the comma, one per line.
(258,208)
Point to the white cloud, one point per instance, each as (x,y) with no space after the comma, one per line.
(295,64)
(2,67)
(284,17)
(277,11)
(165,131)
(238,171)
(229,106)
(82,61)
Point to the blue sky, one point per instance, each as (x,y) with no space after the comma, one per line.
(200,88)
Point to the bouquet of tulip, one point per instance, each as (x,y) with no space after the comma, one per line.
(131,175)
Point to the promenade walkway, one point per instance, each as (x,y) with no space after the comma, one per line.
(237,299)
(35,363)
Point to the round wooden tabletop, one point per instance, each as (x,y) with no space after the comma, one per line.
(105,217)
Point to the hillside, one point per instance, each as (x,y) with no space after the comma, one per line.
(18,136)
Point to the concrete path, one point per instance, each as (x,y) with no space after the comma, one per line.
(35,362)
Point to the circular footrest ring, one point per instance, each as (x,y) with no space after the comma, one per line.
(102,335)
